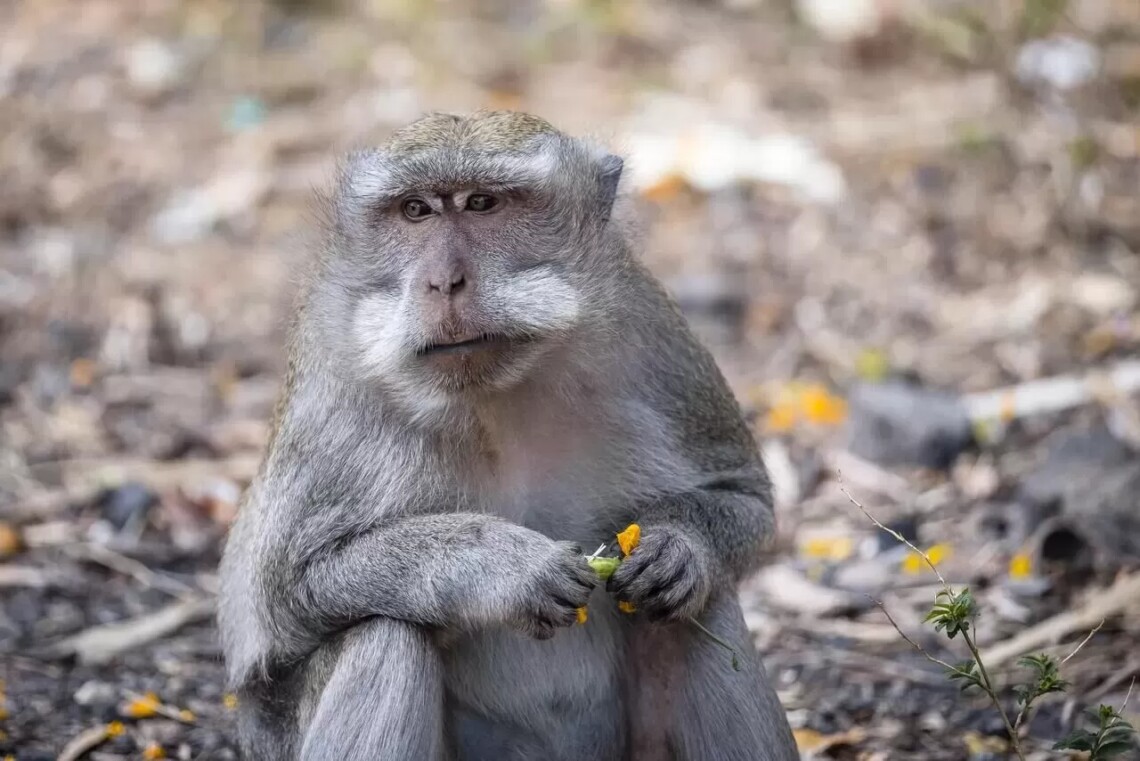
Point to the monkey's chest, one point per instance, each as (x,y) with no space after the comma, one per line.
(555,484)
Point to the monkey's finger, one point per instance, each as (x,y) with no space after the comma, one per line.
(569,603)
(668,603)
(585,575)
(629,571)
(662,578)
(542,631)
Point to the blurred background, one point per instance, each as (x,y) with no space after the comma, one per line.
(909,230)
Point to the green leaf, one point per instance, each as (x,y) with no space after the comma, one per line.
(1113,749)
(1078,739)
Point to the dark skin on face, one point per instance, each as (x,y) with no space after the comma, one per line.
(448,277)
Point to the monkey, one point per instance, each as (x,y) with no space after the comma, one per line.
(483,379)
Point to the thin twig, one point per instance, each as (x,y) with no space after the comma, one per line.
(138,571)
(1127,696)
(1084,641)
(903,634)
(895,534)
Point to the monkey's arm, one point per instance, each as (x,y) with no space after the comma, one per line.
(713,530)
(444,571)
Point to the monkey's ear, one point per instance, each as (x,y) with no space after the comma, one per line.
(610,168)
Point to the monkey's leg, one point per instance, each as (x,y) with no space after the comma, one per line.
(383,699)
(687,703)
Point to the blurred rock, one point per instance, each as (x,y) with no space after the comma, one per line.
(898,423)
(843,20)
(1078,506)
(154,67)
(1062,62)
(715,305)
(1101,294)
(97,694)
(126,505)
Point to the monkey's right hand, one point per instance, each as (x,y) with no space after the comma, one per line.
(556,581)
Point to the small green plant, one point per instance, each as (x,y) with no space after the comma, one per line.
(954,613)
(1113,735)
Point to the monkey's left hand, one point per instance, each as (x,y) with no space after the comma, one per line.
(668,576)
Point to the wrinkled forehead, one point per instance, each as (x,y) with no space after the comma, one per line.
(381,176)
(444,154)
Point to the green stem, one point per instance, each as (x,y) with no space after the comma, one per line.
(993,695)
(719,641)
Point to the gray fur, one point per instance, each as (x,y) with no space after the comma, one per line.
(402,578)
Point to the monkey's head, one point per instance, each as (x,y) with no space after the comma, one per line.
(463,251)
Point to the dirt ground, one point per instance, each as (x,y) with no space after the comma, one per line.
(888,219)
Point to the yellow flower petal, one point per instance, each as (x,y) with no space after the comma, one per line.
(781,418)
(230,701)
(629,539)
(582,614)
(819,406)
(115,729)
(828,548)
(186,715)
(143,707)
(153,752)
(626,607)
(913,563)
(1020,566)
(938,553)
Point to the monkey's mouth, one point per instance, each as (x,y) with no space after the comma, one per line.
(480,342)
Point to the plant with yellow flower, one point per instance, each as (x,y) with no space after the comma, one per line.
(955,613)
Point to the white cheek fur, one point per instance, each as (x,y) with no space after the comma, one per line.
(543,300)
(379,332)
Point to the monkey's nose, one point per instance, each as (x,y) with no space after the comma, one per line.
(449,282)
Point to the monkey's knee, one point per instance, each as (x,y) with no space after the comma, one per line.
(383,698)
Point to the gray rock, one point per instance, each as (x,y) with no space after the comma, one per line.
(899,423)
(1074,460)
(98,694)
(1084,496)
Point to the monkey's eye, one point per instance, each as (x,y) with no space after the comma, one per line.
(481,202)
(414,208)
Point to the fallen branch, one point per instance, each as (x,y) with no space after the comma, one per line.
(100,644)
(1054,394)
(108,558)
(1099,605)
(83,476)
(29,577)
(86,740)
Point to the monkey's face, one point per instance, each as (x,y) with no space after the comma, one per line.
(468,247)
(468,291)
